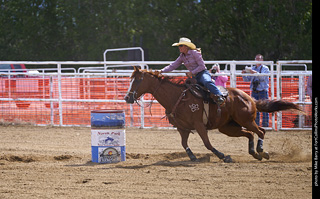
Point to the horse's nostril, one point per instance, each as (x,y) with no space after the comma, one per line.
(128,99)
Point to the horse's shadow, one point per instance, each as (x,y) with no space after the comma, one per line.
(161,163)
(139,166)
(165,163)
(89,163)
(172,163)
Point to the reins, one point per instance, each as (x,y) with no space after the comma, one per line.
(173,112)
(152,99)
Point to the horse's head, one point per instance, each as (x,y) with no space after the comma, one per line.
(137,88)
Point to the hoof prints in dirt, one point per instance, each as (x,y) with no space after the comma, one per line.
(62,157)
(32,158)
(88,180)
(164,156)
(15,158)
(84,181)
(137,156)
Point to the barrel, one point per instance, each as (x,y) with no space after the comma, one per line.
(108,136)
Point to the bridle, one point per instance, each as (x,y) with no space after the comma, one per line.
(134,93)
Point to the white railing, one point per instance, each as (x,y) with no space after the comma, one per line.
(58,72)
(301,100)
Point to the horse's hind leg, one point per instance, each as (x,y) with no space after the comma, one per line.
(233,129)
(184,141)
(252,126)
(260,141)
(260,146)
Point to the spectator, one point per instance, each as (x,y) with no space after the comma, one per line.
(259,87)
(219,80)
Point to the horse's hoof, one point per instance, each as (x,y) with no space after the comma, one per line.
(192,157)
(228,159)
(265,155)
(220,155)
(257,156)
(195,160)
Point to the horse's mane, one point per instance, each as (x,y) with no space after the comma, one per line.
(163,78)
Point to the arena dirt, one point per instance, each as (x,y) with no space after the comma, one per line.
(55,162)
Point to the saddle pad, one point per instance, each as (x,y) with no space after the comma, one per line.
(205,113)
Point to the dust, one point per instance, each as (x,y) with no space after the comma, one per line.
(291,151)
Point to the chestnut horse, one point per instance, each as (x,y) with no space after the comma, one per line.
(185,111)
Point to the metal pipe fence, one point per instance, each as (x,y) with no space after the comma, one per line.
(57,96)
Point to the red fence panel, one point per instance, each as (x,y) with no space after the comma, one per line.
(78,94)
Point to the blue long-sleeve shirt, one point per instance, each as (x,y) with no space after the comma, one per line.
(263,80)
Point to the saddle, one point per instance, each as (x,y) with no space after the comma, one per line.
(201,92)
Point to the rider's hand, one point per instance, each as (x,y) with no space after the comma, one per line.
(157,72)
(189,74)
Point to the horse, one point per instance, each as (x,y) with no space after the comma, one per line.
(235,118)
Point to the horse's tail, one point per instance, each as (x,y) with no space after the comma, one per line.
(271,106)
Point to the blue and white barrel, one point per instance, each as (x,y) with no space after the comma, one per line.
(108,138)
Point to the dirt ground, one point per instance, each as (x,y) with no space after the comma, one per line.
(55,162)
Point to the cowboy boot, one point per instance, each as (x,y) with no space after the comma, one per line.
(219,99)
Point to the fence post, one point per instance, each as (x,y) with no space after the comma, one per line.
(301,98)
(60,95)
(142,104)
(272,93)
(279,114)
(51,103)
(233,77)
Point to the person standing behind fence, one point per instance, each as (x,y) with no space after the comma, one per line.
(259,86)
(219,80)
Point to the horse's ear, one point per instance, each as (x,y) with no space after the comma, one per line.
(135,68)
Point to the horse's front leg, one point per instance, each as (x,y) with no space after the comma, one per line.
(184,141)
(202,131)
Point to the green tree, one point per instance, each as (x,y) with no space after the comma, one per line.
(225,30)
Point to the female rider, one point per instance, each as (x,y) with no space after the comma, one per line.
(191,57)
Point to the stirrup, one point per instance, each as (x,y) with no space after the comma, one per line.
(219,99)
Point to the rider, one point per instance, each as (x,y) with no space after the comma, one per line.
(191,57)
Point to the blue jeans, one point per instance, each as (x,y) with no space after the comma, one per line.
(265,116)
(204,78)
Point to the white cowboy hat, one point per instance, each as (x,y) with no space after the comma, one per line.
(187,42)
